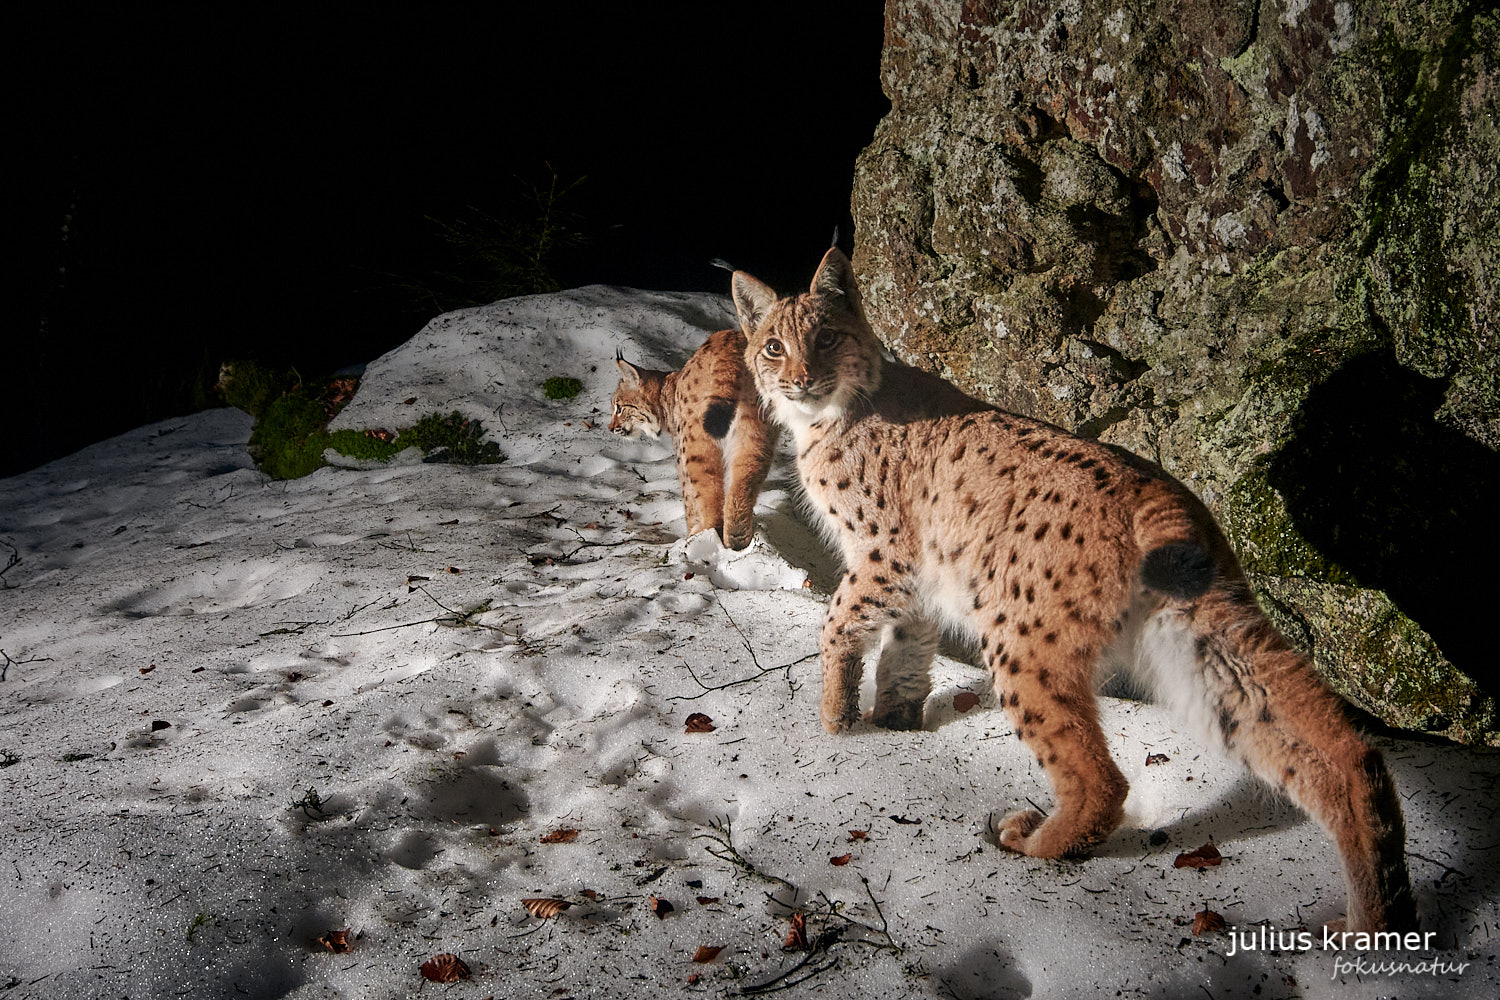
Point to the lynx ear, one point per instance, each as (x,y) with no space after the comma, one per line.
(835,276)
(753,298)
(630,375)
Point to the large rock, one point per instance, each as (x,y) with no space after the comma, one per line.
(1255,241)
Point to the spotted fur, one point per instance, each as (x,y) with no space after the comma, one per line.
(1057,556)
(723,444)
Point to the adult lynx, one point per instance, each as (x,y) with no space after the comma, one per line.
(710,410)
(1057,556)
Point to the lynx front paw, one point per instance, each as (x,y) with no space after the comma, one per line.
(840,722)
(739,536)
(1016,830)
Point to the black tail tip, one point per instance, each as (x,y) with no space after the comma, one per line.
(1180,570)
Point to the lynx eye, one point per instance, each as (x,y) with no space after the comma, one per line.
(826,339)
(773,349)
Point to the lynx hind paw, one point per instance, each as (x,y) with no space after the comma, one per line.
(1016,828)
(907,716)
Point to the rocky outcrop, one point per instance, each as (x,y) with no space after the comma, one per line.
(1257,241)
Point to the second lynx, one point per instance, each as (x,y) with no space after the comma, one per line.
(723,445)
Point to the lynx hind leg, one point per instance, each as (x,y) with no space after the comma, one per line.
(748,449)
(865,601)
(903,678)
(1047,689)
(1277,716)
(700,471)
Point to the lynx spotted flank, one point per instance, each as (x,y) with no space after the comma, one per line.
(723,444)
(1059,557)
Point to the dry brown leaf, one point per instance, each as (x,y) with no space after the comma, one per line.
(707,953)
(588,894)
(807,584)
(699,723)
(660,907)
(335,941)
(380,434)
(1206,922)
(454,570)
(858,835)
(796,938)
(841,860)
(147,670)
(693,978)
(416,579)
(707,900)
(1156,758)
(445,968)
(562,835)
(965,700)
(1204,857)
(409,400)
(544,907)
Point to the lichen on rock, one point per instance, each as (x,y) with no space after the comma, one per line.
(1259,249)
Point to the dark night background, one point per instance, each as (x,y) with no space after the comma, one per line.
(248,186)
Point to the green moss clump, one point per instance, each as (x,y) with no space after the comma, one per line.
(358,444)
(561,387)
(453,438)
(287,439)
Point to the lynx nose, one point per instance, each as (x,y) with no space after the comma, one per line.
(802,379)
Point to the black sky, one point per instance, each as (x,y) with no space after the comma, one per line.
(245,182)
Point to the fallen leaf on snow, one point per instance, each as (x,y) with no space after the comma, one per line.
(841,860)
(1204,857)
(707,953)
(562,835)
(147,670)
(1207,921)
(1156,758)
(660,907)
(965,700)
(906,822)
(707,900)
(445,968)
(699,723)
(335,941)
(545,907)
(409,400)
(454,570)
(796,938)
(157,725)
(858,835)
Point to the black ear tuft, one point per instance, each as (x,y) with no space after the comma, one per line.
(1180,570)
(835,241)
(722,263)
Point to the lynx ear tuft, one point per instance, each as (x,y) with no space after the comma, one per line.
(753,299)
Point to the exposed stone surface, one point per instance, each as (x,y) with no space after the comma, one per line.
(1257,241)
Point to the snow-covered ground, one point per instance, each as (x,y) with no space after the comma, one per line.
(238,715)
